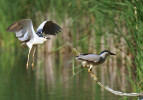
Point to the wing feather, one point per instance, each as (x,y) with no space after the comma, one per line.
(19,33)
(49,27)
(89,57)
(23,29)
(25,37)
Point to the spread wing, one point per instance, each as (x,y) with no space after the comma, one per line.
(23,29)
(49,27)
(88,57)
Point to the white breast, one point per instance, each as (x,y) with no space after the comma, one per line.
(37,40)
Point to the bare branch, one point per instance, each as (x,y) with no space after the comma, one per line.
(116,92)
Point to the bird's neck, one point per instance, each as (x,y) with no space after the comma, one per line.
(43,39)
(104,55)
(38,40)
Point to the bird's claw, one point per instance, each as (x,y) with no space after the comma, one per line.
(84,66)
(32,66)
(27,66)
(95,78)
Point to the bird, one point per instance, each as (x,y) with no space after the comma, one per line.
(89,60)
(25,32)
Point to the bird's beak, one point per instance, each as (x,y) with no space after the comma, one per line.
(48,38)
(112,53)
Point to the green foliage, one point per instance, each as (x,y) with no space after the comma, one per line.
(91,20)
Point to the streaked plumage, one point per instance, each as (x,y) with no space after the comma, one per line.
(25,32)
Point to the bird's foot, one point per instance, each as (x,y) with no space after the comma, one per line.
(32,66)
(95,78)
(84,66)
(27,66)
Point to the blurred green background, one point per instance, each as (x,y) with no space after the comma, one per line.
(90,26)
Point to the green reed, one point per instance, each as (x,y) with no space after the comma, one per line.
(91,20)
(112,20)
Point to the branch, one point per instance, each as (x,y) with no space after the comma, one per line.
(115,92)
(108,88)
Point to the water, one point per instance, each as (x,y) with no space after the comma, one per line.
(17,83)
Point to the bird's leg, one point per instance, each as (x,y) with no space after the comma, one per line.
(27,60)
(30,47)
(33,58)
(84,64)
(22,43)
(90,71)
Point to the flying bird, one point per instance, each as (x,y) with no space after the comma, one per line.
(90,60)
(25,32)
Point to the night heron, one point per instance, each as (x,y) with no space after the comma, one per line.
(25,32)
(90,60)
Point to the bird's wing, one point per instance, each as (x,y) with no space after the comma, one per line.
(23,28)
(89,57)
(49,27)
(41,26)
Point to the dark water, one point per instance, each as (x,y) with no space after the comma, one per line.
(17,83)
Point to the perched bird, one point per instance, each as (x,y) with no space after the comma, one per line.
(25,32)
(90,60)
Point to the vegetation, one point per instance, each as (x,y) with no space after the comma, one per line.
(89,26)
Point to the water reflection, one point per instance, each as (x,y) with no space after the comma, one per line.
(47,82)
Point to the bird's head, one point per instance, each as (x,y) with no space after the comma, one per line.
(39,33)
(106,53)
(45,37)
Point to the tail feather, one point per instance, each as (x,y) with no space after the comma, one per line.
(78,58)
